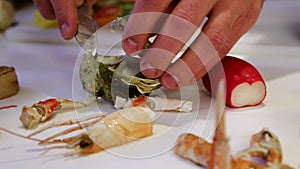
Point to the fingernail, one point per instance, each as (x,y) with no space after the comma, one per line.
(130,46)
(170,82)
(65,30)
(149,71)
(79,2)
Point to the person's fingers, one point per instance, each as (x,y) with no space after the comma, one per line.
(242,25)
(223,20)
(141,23)
(66,15)
(208,49)
(78,3)
(223,30)
(176,31)
(166,45)
(64,11)
(45,8)
(196,61)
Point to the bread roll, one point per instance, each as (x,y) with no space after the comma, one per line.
(9,84)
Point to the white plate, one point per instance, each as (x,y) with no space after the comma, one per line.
(279,113)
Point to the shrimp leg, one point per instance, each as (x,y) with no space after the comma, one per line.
(64,123)
(220,157)
(69,130)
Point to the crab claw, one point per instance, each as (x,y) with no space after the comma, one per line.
(30,117)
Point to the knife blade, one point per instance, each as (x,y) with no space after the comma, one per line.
(86,36)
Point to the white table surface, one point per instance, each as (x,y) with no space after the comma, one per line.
(46,69)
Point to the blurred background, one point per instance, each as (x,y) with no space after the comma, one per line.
(276,33)
(20,3)
(278,24)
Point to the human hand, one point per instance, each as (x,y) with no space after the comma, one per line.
(65,11)
(227,21)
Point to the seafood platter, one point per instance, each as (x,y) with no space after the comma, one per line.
(117,117)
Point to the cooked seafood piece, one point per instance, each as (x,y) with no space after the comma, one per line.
(194,148)
(115,129)
(264,145)
(267,147)
(32,116)
(155,103)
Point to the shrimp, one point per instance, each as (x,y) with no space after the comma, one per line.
(264,145)
(116,129)
(43,110)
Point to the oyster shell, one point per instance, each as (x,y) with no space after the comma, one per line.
(107,80)
(112,76)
